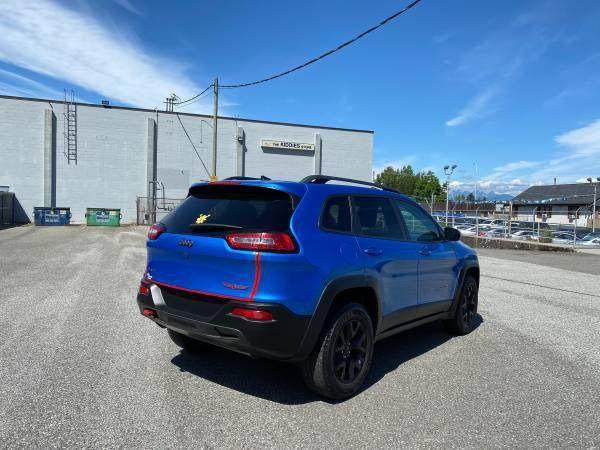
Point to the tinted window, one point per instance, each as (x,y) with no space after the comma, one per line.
(221,207)
(376,217)
(336,214)
(419,225)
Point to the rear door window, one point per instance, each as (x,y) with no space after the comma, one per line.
(218,208)
(376,217)
(336,214)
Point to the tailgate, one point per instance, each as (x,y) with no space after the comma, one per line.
(192,253)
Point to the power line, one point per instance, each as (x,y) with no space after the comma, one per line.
(324,55)
(193,98)
(191,102)
(307,63)
(192,143)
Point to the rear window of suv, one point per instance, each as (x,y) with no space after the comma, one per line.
(218,208)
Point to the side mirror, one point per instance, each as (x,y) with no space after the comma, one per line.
(451,234)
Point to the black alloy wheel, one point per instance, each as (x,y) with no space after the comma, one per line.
(465,316)
(341,360)
(350,351)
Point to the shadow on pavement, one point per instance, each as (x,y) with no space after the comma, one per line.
(282,382)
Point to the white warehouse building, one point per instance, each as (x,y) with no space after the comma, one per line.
(76,155)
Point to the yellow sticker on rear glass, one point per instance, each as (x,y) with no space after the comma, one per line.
(202,218)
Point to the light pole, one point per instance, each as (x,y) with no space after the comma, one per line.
(534,221)
(594,204)
(448,170)
(476,175)
(575,226)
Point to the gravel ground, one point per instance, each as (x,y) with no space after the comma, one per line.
(81,367)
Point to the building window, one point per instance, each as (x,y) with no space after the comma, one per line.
(544,211)
(574,211)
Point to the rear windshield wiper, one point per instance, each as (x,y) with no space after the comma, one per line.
(213,226)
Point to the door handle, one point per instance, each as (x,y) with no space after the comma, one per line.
(373,251)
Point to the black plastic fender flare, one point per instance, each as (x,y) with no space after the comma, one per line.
(468,264)
(323,308)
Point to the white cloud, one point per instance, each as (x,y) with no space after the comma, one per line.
(380,165)
(584,141)
(512,187)
(517,165)
(501,56)
(14,82)
(475,108)
(127,5)
(578,158)
(51,39)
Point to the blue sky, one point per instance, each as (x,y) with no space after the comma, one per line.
(508,90)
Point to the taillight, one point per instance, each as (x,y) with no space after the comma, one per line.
(266,241)
(144,289)
(155,231)
(253,314)
(149,313)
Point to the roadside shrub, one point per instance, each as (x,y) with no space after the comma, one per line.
(545,236)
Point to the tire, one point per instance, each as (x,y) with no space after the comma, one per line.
(341,360)
(465,316)
(186,342)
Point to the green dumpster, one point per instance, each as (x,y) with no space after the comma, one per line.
(106,217)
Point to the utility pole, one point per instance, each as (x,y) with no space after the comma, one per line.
(215,118)
(170,102)
(476,175)
(432,200)
(594,204)
(448,170)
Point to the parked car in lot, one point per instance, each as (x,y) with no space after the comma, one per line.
(591,239)
(496,233)
(561,237)
(475,230)
(462,227)
(524,235)
(306,272)
(467,231)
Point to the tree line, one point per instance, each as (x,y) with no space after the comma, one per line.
(421,185)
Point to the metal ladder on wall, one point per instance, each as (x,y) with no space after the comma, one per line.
(70,127)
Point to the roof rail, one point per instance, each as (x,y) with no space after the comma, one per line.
(240,178)
(322,179)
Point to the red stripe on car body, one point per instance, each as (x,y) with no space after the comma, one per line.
(256,276)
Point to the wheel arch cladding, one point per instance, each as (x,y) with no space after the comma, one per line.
(361,287)
(471,268)
(364,296)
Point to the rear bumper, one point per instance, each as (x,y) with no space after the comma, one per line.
(209,320)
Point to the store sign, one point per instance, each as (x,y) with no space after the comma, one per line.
(287,145)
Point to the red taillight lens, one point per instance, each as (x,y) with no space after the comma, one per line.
(155,231)
(252,314)
(267,241)
(144,289)
(149,312)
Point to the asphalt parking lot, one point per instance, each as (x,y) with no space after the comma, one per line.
(81,367)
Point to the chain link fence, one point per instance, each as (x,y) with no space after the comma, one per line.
(152,210)
(559,229)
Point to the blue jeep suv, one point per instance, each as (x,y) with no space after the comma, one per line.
(307,272)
